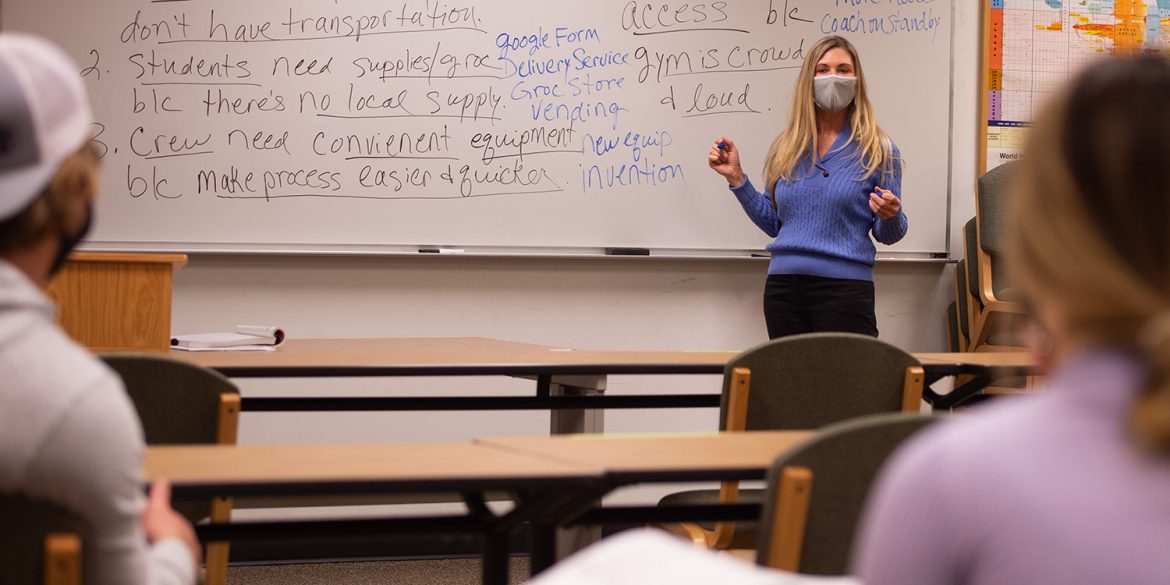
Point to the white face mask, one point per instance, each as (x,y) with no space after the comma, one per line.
(834,93)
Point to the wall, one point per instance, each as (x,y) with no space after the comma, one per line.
(594,304)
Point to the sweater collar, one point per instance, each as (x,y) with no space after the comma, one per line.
(840,146)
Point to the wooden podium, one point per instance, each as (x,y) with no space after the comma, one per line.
(116,301)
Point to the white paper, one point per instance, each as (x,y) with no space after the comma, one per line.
(244,338)
(650,557)
(258,330)
(236,348)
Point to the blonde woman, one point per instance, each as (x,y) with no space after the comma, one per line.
(832,178)
(1072,485)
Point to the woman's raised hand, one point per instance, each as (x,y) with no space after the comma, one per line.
(884,204)
(724,159)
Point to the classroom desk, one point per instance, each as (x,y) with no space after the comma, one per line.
(447,356)
(1006,359)
(982,367)
(557,479)
(633,459)
(547,487)
(570,383)
(654,458)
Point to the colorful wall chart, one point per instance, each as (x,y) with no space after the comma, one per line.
(1031,47)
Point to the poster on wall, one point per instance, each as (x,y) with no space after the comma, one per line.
(1032,47)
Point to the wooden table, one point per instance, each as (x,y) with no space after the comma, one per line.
(215,470)
(470,356)
(982,367)
(447,356)
(1007,359)
(634,459)
(558,478)
(661,458)
(570,383)
(472,470)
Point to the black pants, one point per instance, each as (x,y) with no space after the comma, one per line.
(796,304)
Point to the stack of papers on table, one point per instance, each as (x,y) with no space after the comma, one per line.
(244,338)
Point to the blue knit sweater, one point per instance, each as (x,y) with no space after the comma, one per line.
(822,220)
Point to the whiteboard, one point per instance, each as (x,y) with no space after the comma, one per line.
(579,125)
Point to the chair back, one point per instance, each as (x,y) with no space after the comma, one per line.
(843,460)
(179,404)
(811,380)
(962,304)
(29,529)
(993,208)
(971,244)
(953,327)
(993,213)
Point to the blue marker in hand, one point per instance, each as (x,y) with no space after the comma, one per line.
(722,145)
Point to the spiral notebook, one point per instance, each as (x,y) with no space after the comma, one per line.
(244,338)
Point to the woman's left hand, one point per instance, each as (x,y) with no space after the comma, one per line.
(884,204)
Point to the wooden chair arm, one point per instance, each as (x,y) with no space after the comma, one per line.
(737,405)
(228,419)
(62,559)
(789,519)
(737,399)
(987,289)
(227,429)
(724,532)
(912,389)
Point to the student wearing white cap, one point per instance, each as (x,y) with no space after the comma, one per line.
(68,432)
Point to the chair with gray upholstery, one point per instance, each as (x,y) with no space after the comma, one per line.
(971,264)
(801,382)
(184,404)
(998,301)
(40,543)
(955,342)
(816,492)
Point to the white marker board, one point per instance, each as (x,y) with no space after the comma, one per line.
(384,126)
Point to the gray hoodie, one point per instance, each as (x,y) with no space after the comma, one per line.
(69,435)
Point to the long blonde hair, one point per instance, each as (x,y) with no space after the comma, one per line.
(1094,185)
(797,140)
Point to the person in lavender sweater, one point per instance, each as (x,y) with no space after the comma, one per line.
(1070,485)
(833,178)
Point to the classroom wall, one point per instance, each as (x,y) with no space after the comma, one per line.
(594,304)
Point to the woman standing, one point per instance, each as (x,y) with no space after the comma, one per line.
(1070,485)
(833,178)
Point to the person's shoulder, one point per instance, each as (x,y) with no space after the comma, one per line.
(53,371)
(965,446)
(54,389)
(892,146)
(76,366)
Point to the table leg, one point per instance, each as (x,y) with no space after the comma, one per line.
(495,557)
(577,421)
(571,540)
(551,544)
(545,517)
(544,548)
